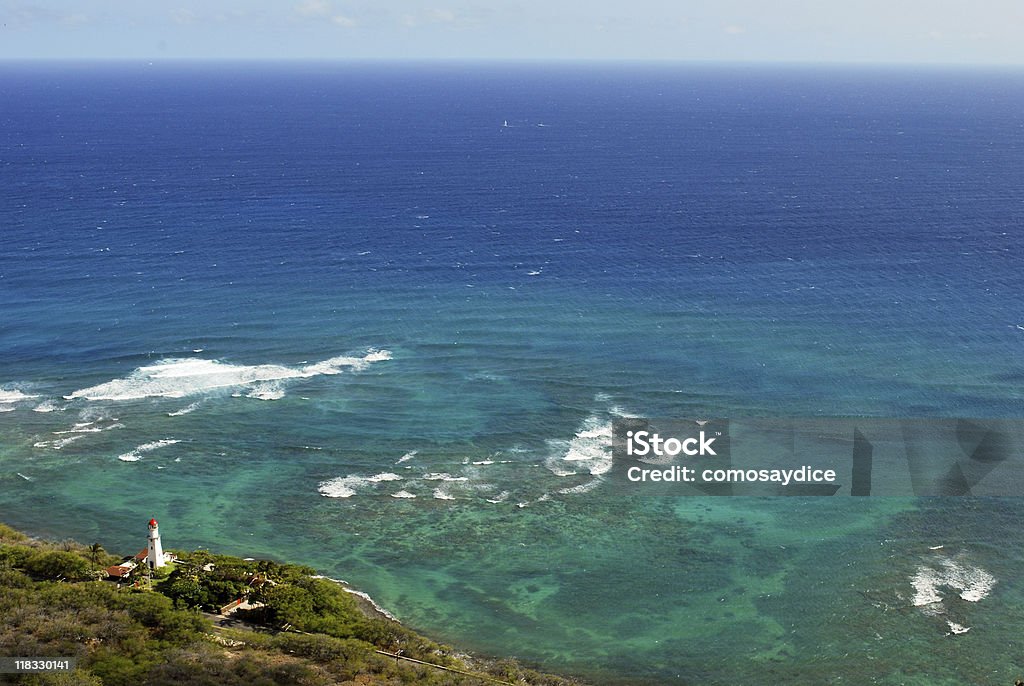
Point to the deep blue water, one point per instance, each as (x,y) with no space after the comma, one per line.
(538,248)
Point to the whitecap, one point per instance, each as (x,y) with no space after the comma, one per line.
(137,454)
(622,413)
(441,494)
(59,443)
(185,410)
(443,476)
(45,406)
(337,488)
(180,378)
(972,583)
(9,397)
(266,391)
(80,428)
(403,494)
(591,448)
(957,629)
(89,428)
(582,488)
(408,456)
(385,476)
(347,486)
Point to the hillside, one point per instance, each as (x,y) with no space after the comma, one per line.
(302,629)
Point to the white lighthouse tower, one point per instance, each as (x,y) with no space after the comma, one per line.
(155,550)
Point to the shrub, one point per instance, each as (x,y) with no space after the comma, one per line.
(9,535)
(58,564)
(321,648)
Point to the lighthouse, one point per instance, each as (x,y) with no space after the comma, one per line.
(155,550)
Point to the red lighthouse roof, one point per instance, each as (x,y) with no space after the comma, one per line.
(152,522)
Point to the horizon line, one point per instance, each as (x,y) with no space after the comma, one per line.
(525,61)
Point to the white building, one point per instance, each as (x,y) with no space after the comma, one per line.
(154,551)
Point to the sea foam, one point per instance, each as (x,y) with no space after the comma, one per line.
(9,397)
(972,583)
(179,378)
(443,476)
(362,594)
(136,454)
(590,449)
(58,443)
(348,486)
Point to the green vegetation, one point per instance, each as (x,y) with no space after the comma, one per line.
(301,630)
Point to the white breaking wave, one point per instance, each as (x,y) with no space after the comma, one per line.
(45,406)
(136,454)
(590,448)
(81,428)
(362,594)
(58,443)
(366,596)
(408,456)
(180,378)
(441,494)
(434,476)
(347,486)
(9,397)
(972,583)
(77,431)
(957,629)
(14,396)
(403,494)
(185,410)
(621,413)
(266,391)
(582,488)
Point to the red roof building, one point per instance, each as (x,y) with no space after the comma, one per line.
(119,571)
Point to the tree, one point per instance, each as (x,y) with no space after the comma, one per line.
(95,551)
(59,565)
(184,588)
(287,604)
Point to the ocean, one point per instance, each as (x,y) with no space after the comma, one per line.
(378,318)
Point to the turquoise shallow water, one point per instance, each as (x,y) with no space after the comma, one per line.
(261,304)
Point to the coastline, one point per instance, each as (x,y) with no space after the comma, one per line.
(27,560)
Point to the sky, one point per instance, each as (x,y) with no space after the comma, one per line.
(855,31)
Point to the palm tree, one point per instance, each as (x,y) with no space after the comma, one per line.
(95,550)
